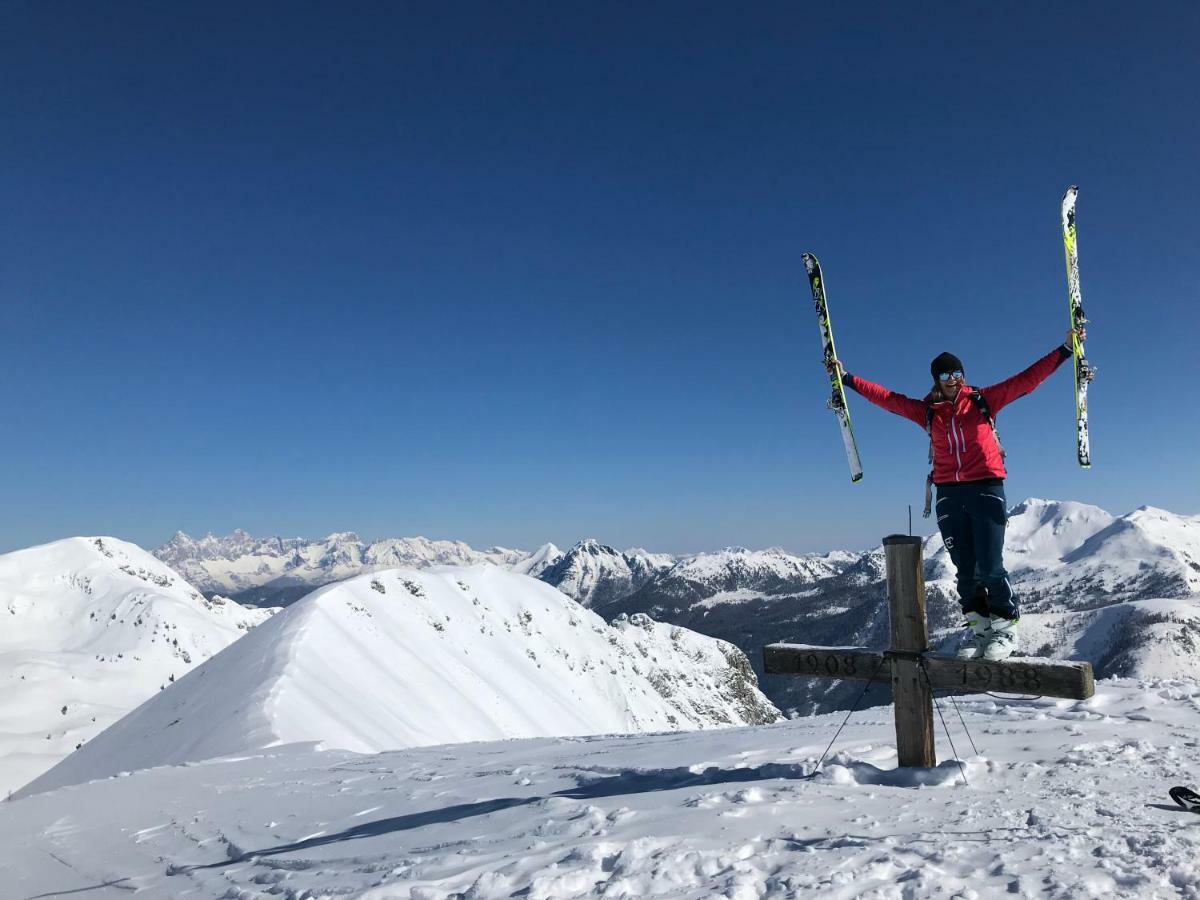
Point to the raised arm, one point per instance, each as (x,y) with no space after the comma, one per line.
(1008,390)
(892,401)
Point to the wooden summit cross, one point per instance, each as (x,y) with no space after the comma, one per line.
(913,671)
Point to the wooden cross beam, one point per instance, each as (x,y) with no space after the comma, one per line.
(913,671)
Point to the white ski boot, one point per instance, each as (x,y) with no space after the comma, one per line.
(977,641)
(1002,639)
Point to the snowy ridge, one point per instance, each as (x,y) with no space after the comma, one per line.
(746,565)
(92,627)
(735,571)
(1150,538)
(1042,532)
(594,573)
(408,658)
(538,561)
(1074,556)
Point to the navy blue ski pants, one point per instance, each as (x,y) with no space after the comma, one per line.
(972,517)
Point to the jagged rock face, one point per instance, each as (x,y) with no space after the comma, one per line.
(753,598)
(707,680)
(595,574)
(837,605)
(711,576)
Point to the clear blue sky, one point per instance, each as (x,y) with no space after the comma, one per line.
(517,272)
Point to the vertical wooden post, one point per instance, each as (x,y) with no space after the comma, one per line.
(910,636)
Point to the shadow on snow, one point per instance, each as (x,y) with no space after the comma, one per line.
(592,787)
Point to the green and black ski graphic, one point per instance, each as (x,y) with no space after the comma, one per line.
(837,402)
(1083,370)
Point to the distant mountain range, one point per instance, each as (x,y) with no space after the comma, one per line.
(1068,561)
(408,641)
(277,571)
(1117,591)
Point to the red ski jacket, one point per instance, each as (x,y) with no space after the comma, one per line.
(964,444)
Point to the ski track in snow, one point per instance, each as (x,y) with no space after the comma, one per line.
(1065,799)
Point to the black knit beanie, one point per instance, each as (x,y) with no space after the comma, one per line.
(945,362)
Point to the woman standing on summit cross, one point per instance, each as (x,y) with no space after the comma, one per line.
(968,470)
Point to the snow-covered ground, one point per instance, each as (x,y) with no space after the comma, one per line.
(1062,799)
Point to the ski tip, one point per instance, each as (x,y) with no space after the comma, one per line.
(810,260)
(855,479)
(1185,797)
(1071,191)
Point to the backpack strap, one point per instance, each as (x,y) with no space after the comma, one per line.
(929,478)
(980,404)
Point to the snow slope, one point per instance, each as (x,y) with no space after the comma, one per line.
(1063,800)
(1041,532)
(1154,546)
(1157,638)
(92,627)
(537,561)
(1063,555)
(408,658)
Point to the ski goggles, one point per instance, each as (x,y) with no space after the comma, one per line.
(956,375)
